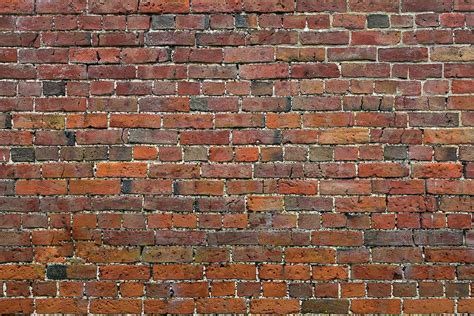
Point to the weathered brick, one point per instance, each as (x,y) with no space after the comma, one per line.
(103,7)
(385,238)
(17,7)
(429,305)
(420,6)
(22,154)
(452,54)
(438,238)
(56,272)
(373,5)
(290,156)
(325,306)
(325,5)
(162,6)
(391,306)
(279,306)
(378,21)
(56,88)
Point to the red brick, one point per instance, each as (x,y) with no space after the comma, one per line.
(376,272)
(129,238)
(41,187)
(269,71)
(375,38)
(115,306)
(17,7)
(221,7)
(370,306)
(435,5)
(452,136)
(122,169)
(428,306)
(278,306)
(124,272)
(22,272)
(94,186)
(329,273)
(264,203)
(250,54)
(163,6)
(203,187)
(307,255)
(100,7)
(61,7)
(403,54)
(314,71)
(325,5)
(177,272)
(221,305)
(184,306)
(465,305)
(373,5)
(194,289)
(336,238)
(16,305)
(65,305)
(449,255)
(205,137)
(384,170)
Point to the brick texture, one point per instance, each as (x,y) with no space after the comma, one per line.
(236,156)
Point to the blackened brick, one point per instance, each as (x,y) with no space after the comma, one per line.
(54,88)
(160,22)
(56,272)
(378,21)
(22,154)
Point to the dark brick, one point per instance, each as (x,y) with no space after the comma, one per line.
(22,154)
(5,121)
(46,153)
(241,21)
(54,88)
(56,272)
(320,154)
(126,186)
(120,153)
(7,187)
(95,153)
(71,138)
(388,238)
(445,153)
(72,153)
(195,154)
(261,88)
(160,22)
(395,152)
(438,238)
(300,290)
(377,21)
(457,290)
(289,104)
(199,104)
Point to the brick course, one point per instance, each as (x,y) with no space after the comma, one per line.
(236,156)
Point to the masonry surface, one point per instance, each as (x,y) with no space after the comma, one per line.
(236,156)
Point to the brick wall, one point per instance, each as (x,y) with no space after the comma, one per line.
(264,156)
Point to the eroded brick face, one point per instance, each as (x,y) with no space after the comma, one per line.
(236,156)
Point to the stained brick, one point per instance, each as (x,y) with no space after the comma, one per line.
(377,21)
